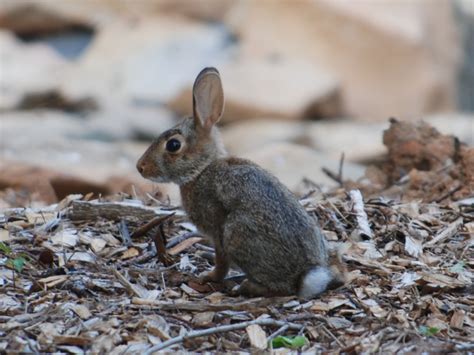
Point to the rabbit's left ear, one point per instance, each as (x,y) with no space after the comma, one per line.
(208,98)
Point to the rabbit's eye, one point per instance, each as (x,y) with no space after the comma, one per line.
(173,145)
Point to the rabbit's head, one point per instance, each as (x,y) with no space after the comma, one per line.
(184,151)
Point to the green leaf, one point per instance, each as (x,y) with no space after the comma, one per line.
(5,248)
(458,268)
(18,263)
(429,331)
(289,342)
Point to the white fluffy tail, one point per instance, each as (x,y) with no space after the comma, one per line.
(315,282)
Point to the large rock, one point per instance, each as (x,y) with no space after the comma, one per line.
(26,69)
(394,58)
(360,142)
(284,89)
(40,17)
(291,163)
(68,154)
(146,62)
(127,122)
(49,16)
(252,135)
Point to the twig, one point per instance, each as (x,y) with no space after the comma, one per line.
(449,193)
(127,241)
(220,329)
(125,283)
(332,175)
(160,240)
(306,316)
(336,177)
(464,347)
(446,233)
(341,344)
(278,332)
(150,225)
(362,220)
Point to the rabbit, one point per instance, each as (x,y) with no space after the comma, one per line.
(254,221)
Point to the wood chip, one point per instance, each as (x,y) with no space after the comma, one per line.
(184,245)
(257,336)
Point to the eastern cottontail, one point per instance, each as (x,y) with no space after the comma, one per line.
(254,221)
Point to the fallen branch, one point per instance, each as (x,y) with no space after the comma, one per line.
(247,305)
(116,211)
(220,329)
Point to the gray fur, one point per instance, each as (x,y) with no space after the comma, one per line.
(254,221)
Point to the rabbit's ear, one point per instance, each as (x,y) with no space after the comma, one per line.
(208,98)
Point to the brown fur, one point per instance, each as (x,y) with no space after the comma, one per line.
(254,221)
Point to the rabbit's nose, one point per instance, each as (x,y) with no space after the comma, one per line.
(140,167)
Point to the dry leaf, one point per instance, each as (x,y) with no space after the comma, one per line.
(441,281)
(97,245)
(81,310)
(457,319)
(4,235)
(130,253)
(257,336)
(79,256)
(203,319)
(52,281)
(413,246)
(185,244)
(375,309)
(66,237)
(408,279)
(339,322)
(40,218)
(158,326)
(110,239)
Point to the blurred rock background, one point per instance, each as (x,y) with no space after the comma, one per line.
(85,85)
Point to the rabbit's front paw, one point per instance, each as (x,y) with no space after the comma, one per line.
(210,276)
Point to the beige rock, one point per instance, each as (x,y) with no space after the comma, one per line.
(207,10)
(43,16)
(291,163)
(156,58)
(55,155)
(251,135)
(362,141)
(394,58)
(35,17)
(18,73)
(122,122)
(286,89)
(359,141)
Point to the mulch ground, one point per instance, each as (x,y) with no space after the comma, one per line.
(83,276)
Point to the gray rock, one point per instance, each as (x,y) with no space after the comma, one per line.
(285,89)
(394,58)
(291,163)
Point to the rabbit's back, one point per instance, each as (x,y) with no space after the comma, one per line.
(258,221)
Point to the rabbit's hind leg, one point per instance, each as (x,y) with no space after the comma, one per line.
(252,289)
